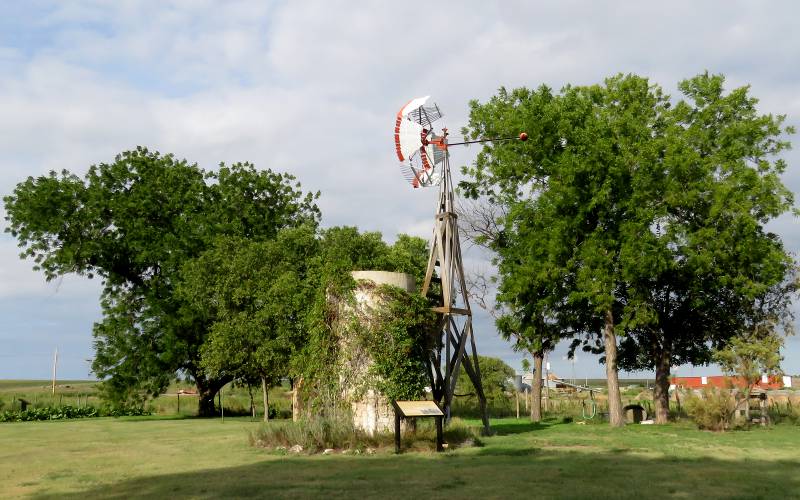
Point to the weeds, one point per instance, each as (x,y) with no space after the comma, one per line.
(713,410)
(318,434)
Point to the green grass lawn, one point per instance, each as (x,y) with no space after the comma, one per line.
(127,457)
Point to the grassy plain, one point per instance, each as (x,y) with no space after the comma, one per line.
(199,458)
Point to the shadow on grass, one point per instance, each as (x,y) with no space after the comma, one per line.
(483,473)
(508,451)
(505,427)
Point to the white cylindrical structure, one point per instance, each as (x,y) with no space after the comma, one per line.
(372,412)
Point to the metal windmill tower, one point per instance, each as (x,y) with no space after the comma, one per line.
(426,162)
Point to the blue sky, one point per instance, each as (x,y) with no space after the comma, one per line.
(311,87)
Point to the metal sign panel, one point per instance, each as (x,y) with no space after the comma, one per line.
(419,409)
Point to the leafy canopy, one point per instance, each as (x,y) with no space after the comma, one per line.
(134,223)
(256,294)
(626,200)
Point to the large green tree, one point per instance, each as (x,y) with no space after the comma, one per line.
(134,223)
(630,214)
(496,378)
(709,271)
(256,296)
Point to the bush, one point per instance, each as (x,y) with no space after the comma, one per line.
(713,410)
(314,435)
(318,434)
(122,411)
(69,412)
(784,413)
(48,413)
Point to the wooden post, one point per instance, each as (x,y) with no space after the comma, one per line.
(527,395)
(222,404)
(516,397)
(546,384)
(179,402)
(397,430)
(55,364)
(439,435)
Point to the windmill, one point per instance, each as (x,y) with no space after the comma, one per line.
(426,163)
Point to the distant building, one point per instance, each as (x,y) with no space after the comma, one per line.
(766,383)
(552,383)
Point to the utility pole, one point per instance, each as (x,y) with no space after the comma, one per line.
(55,364)
(546,383)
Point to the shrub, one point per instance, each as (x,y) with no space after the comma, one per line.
(318,434)
(314,434)
(122,411)
(48,413)
(713,410)
(69,412)
(784,413)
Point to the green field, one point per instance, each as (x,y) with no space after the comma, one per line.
(162,458)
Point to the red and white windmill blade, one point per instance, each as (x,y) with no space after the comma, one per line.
(415,143)
(419,149)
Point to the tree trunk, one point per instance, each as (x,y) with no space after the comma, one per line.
(265,392)
(536,388)
(661,387)
(296,385)
(615,417)
(206,391)
(252,402)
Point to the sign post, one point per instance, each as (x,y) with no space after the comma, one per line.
(415,409)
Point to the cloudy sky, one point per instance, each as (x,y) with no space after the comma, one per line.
(312,88)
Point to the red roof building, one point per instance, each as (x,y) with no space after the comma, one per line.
(766,383)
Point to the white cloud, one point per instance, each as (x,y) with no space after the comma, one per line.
(311,87)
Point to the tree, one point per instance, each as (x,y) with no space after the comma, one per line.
(534,337)
(716,273)
(496,378)
(134,223)
(571,206)
(345,249)
(752,354)
(628,214)
(256,294)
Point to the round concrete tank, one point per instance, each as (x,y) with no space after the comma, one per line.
(371,410)
(400,280)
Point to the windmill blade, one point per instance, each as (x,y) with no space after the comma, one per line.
(407,138)
(419,171)
(426,115)
(408,133)
(412,134)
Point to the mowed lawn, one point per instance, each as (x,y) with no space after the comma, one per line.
(126,457)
